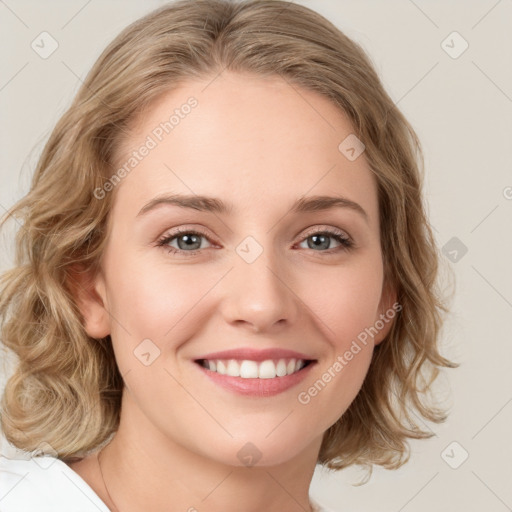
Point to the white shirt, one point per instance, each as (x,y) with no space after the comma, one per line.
(44,484)
(48,484)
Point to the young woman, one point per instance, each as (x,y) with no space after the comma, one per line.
(224,276)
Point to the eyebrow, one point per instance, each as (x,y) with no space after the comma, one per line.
(215,205)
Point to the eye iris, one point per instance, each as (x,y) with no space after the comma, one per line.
(194,239)
(324,244)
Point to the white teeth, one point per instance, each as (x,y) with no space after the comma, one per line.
(267,370)
(281,368)
(221,367)
(248,369)
(233,369)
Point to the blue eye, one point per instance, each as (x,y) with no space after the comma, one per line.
(191,239)
(186,238)
(321,239)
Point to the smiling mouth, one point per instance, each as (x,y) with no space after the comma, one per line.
(248,369)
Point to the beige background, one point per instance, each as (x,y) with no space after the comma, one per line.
(462,110)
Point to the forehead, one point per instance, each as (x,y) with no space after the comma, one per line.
(251,141)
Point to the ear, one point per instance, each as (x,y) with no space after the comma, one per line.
(88,290)
(388,309)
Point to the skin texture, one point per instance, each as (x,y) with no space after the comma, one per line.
(259,144)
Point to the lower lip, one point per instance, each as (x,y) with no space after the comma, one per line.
(257,387)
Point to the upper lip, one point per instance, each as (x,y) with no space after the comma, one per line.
(256,354)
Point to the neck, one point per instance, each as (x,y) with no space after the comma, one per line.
(145,470)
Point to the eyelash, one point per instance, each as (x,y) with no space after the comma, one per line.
(346,243)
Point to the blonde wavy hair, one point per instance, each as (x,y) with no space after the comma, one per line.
(66,389)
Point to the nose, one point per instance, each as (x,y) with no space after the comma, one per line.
(260,295)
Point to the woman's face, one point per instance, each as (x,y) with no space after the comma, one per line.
(260,274)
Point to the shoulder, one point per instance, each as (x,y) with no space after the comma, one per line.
(44,483)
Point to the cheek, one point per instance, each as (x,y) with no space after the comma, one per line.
(157,310)
(336,385)
(163,303)
(346,299)
(345,304)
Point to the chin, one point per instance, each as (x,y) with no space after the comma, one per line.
(258,451)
